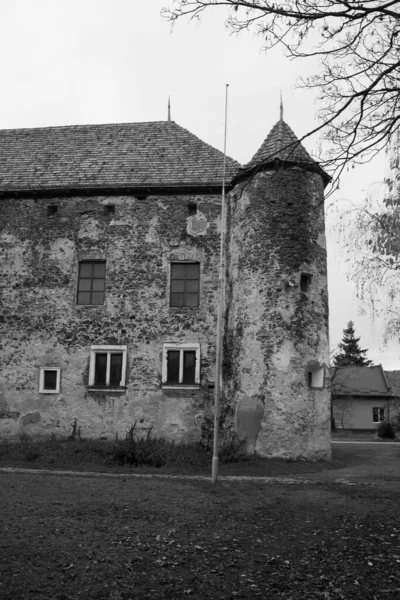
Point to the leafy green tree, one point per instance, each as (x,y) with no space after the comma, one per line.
(350,353)
(358,46)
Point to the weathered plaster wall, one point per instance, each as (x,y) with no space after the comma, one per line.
(275,332)
(42,326)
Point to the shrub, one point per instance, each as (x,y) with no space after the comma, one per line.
(31,455)
(233,451)
(385,430)
(158,452)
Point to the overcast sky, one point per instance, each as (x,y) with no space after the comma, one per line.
(69,62)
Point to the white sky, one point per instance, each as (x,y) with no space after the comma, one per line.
(71,62)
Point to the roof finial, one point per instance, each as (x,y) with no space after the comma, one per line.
(169,109)
(281,109)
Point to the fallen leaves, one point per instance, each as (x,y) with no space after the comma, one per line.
(111,540)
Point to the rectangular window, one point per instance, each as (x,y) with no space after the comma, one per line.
(378,414)
(91,282)
(185,284)
(49,381)
(173,363)
(189,366)
(107,367)
(181,364)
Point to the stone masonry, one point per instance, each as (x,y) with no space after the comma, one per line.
(138,199)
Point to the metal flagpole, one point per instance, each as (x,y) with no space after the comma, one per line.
(221,290)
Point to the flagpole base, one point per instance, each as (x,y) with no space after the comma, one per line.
(214,471)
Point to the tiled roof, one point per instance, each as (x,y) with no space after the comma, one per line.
(133,155)
(359,381)
(282,144)
(393,379)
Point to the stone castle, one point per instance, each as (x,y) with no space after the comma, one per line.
(109,246)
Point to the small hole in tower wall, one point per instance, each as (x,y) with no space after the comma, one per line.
(192,209)
(305,282)
(52,210)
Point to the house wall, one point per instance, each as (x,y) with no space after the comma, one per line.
(356,413)
(42,326)
(277,334)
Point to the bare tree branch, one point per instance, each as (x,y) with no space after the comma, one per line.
(358,44)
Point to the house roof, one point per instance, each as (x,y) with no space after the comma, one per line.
(124,155)
(359,381)
(282,145)
(393,379)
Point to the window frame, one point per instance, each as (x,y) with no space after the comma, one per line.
(42,389)
(107,349)
(181,347)
(93,262)
(185,263)
(381,410)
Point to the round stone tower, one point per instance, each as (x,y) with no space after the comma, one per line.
(276,347)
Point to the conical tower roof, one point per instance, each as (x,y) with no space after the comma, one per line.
(282,146)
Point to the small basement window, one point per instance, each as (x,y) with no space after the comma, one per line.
(107,367)
(52,210)
(181,365)
(192,209)
(378,414)
(305,282)
(316,377)
(49,380)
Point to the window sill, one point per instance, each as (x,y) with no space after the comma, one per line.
(185,307)
(180,386)
(105,389)
(90,305)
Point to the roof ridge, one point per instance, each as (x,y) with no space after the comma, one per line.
(89,125)
(280,135)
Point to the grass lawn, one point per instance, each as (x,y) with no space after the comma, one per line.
(348,460)
(65,538)
(360,436)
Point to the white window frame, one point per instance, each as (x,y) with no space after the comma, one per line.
(182,347)
(107,350)
(42,389)
(379,408)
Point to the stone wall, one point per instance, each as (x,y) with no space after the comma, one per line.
(277,335)
(42,326)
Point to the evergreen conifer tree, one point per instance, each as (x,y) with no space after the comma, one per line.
(350,353)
